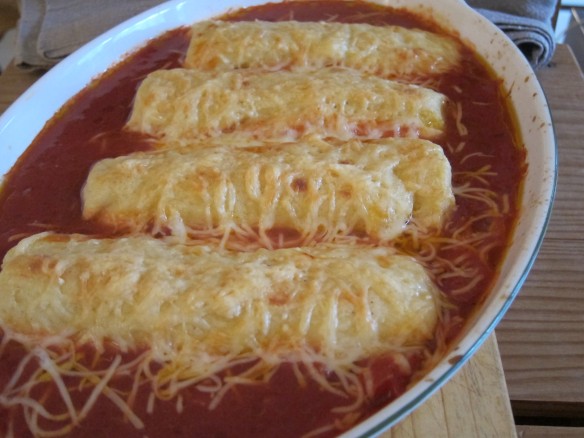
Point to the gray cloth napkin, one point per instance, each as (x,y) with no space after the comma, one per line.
(49,30)
(528,23)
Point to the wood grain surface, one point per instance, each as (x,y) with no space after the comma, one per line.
(541,338)
(474,403)
(13,83)
(549,432)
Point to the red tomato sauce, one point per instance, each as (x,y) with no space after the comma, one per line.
(42,192)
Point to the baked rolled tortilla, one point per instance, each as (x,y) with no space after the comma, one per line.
(312,187)
(195,302)
(283,105)
(386,51)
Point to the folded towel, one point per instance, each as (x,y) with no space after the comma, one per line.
(49,30)
(528,23)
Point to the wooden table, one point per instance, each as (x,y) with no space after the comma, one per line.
(542,337)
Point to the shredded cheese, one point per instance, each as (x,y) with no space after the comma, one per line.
(387,51)
(191,304)
(283,105)
(319,189)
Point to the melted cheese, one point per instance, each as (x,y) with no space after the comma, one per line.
(194,303)
(387,51)
(313,187)
(340,103)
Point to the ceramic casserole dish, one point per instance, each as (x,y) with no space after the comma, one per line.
(25,119)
